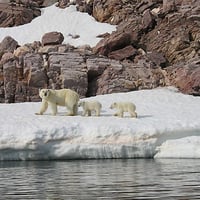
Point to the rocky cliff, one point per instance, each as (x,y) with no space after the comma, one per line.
(157,43)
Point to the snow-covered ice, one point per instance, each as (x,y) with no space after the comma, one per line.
(168,125)
(68,21)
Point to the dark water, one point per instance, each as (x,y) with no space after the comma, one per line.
(101,179)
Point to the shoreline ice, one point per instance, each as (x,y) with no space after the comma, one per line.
(168,126)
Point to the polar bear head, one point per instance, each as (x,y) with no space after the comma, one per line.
(44,93)
(81,103)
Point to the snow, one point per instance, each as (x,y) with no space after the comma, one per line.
(68,21)
(168,126)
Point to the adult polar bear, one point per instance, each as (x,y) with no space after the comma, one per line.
(62,97)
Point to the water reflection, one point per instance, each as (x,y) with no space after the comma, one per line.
(101,179)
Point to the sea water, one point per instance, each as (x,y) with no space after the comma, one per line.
(101,179)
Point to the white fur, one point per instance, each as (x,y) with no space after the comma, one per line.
(54,98)
(122,107)
(89,106)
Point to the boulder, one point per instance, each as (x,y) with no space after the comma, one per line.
(115,41)
(52,38)
(8,44)
(22,50)
(124,53)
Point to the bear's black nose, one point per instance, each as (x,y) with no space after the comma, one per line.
(45,94)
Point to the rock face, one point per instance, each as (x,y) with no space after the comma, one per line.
(186,76)
(125,76)
(68,70)
(9,77)
(12,14)
(167,30)
(157,43)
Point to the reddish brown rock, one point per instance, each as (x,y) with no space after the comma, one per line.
(46,3)
(145,4)
(102,11)
(126,76)
(169,6)
(150,36)
(31,76)
(52,38)
(34,71)
(96,66)
(148,21)
(9,78)
(157,58)
(186,77)
(63,3)
(7,57)
(68,70)
(123,53)
(8,44)
(15,15)
(113,11)
(114,42)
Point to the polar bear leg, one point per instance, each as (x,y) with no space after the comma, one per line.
(120,113)
(70,113)
(75,109)
(84,112)
(88,112)
(43,108)
(97,112)
(133,114)
(53,108)
(70,110)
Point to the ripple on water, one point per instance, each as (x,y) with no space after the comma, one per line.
(101,179)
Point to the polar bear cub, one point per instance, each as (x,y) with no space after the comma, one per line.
(89,106)
(122,107)
(62,97)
